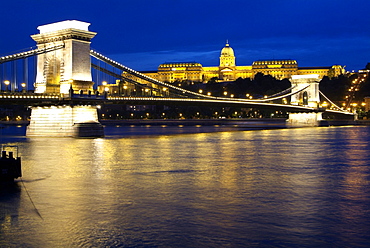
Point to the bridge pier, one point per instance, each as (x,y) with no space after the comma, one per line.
(311,119)
(65,121)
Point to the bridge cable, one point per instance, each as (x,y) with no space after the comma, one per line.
(29,53)
(142,76)
(339,108)
(129,80)
(157,82)
(113,74)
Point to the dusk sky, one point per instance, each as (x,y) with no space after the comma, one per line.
(145,33)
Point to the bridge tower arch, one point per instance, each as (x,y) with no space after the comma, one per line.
(308,96)
(58,70)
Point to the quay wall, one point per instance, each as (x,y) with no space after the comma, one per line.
(204,122)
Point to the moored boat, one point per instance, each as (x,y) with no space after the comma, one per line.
(10,165)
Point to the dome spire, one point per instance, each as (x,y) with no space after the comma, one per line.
(227,57)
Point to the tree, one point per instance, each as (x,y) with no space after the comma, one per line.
(336,88)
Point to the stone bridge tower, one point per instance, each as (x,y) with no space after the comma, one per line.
(59,70)
(70,66)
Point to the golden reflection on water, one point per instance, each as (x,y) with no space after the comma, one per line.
(226,184)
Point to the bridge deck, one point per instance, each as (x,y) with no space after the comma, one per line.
(36,99)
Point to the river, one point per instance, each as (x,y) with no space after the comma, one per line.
(161,186)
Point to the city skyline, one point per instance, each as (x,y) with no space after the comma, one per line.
(142,34)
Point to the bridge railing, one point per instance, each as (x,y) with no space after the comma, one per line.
(56,96)
(13,95)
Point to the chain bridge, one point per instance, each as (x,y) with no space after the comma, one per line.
(65,98)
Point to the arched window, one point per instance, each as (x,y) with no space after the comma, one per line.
(305,98)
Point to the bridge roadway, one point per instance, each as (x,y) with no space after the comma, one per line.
(37,99)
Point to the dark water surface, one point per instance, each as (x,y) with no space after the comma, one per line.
(304,187)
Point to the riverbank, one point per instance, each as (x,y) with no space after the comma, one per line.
(204,122)
(190,122)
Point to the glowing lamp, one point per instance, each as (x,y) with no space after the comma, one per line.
(7,82)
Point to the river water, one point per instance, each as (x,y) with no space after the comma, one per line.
(169,187)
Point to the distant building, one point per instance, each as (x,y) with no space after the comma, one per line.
(229,71)
(367,104)
(366,69)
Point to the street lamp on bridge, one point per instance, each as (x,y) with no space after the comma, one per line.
(6,82)
(165,91)
(23,87)
(125,90)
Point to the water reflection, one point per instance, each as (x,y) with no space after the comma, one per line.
(10,195)
(275,188)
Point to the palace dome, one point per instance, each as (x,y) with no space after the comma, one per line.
(227,50)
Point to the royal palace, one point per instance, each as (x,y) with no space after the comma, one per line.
(229,71)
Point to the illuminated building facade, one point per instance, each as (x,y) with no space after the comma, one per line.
(229,71)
